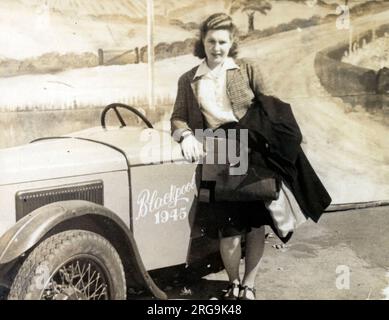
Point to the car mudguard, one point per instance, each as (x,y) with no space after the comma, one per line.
(28,231)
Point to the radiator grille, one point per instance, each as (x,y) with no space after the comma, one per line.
(29,200)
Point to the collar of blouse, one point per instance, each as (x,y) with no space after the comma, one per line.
(203,68)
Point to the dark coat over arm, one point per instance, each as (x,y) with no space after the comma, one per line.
(274,132)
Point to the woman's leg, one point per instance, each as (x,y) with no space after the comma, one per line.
(231,253)
(255,244)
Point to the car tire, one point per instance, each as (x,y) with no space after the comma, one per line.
(71,265)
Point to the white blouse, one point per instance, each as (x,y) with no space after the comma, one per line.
(212,93)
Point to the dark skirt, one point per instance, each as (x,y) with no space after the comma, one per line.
(227,219)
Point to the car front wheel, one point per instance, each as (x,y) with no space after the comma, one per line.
(71,265)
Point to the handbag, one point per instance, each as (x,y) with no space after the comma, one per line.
(257,184)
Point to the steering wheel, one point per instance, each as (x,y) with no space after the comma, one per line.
(115,107)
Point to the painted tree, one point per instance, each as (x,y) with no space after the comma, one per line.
(250,7)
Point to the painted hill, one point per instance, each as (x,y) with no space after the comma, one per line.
(130,8)
(282,11)
(31,28)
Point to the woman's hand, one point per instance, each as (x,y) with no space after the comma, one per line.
(191,148)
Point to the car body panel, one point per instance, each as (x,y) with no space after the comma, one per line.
(142,146)
(83,156)
(163,212)
(155,168)
(57,158)
(116,195)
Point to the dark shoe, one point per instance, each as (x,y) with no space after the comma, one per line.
(243,293)
(232,292)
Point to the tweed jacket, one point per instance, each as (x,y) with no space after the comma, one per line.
(243,86)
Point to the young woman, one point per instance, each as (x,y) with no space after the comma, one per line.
(218,46)
(218,94)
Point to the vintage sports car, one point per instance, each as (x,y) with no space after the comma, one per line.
(90,214)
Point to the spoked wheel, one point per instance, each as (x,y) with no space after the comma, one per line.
(82,278)
(72,265)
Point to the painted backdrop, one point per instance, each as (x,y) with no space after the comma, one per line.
(62,61)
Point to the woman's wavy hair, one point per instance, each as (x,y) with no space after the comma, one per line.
(217,21)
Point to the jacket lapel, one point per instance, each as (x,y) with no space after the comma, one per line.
(230,76)
(239,92)
(195,88)
(197,115)
(194,84)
